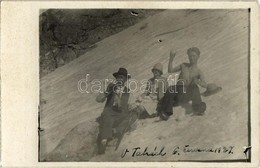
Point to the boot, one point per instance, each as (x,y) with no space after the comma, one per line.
(199,109)
(101,146)
(163,116)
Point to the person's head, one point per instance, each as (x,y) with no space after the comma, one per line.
(156,73)
(121,76)
(194,54)
(120,80)
(157,70)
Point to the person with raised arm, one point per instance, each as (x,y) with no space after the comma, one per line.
(187,86)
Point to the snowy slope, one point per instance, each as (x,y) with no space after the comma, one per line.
(68,116)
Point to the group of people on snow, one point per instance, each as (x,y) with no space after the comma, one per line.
(122,110)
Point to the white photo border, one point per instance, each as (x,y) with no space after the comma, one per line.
(20,79)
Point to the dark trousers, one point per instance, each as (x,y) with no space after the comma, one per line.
(109,120)
(112,119)
(178,94)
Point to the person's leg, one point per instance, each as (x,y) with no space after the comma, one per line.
(196,97)
(105,131)
(165,105)
(100,147)
(198,106)
(106,125)
(183,95)
(124,123)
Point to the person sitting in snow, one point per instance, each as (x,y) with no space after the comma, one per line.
(186,88)
(154,92)
(117,111)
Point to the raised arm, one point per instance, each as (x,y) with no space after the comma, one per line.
(172,69)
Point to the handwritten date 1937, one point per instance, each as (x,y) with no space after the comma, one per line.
(177,150)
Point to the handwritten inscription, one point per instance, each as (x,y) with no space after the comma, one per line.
(139,152)
(178,150)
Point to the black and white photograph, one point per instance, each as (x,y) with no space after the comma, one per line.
(144,85)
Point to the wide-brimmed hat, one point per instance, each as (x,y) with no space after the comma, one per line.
(211,89)
(158,67)
(122,71)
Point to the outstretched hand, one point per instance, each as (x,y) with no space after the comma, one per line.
(110,88)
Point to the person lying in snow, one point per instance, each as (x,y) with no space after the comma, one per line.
(118,112)
(186,88)
(154,92)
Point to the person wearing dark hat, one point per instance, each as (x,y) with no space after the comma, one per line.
(119,103)
(154,92)
(186,88)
